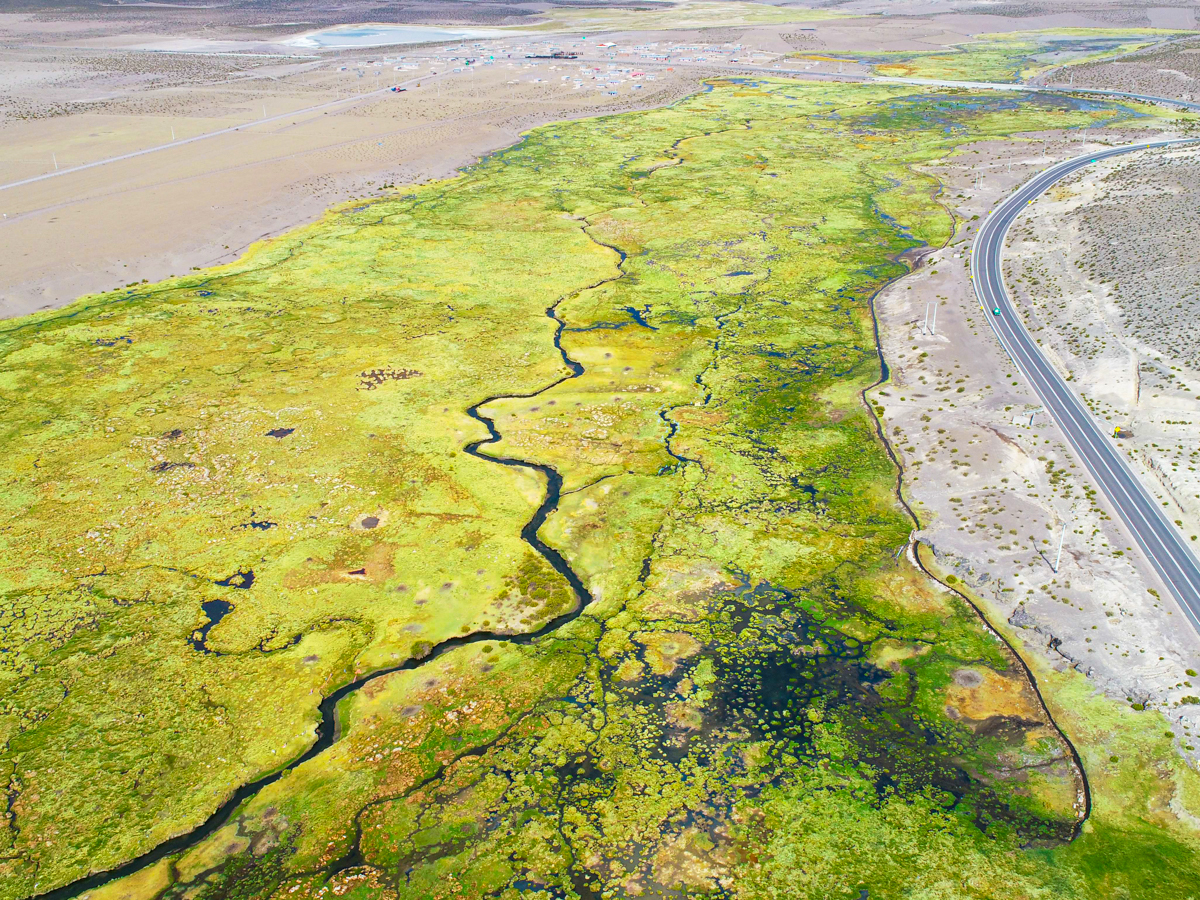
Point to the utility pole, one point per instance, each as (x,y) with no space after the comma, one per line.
(933,321)
(925,324)
(55,159)
(1062,537)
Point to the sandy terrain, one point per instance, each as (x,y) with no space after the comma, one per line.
(202,203)
(1126,334)
(74,92)
(994,482)
(1171,70)
(76,88)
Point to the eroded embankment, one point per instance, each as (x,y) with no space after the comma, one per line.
(913,258)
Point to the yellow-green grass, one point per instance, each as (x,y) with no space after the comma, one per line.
(1008,57)
(683,14)
(726,501)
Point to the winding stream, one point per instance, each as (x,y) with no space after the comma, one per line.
(328,730)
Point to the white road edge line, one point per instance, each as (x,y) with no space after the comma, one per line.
(1153,533)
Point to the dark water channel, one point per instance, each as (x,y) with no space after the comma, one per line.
(327,727)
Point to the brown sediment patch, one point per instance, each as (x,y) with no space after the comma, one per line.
(704,418)
(666,649)
(890,655)
(630,669)
(690,861)
(374,566)
(684,715)
(682,589)
(370,379)
(907,589)
(981,695)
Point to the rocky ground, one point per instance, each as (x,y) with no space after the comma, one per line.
(1165,70)
(994,482)
(1125,330)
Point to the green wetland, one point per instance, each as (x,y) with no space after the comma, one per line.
(527,534)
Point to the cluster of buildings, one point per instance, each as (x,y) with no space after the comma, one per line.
(579,63)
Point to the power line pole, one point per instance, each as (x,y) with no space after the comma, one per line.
(1062,537)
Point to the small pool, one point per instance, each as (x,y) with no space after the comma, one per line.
(382,35)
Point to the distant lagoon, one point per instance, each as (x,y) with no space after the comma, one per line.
(346,36)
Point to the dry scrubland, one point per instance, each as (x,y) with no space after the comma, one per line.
(72,91)
(1123,331)
(993,479)
(1135,224)
(526,402)
(204,203)
(1167,71)
(1106,271)
(76,89)
(47,82)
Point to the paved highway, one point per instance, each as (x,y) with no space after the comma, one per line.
(1019,87)
(1160,539)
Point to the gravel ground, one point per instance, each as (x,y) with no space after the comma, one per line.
(1106,271)
(993,480)
(1171,70)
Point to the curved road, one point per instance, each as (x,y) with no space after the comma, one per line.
(1022,88)
(1160,540)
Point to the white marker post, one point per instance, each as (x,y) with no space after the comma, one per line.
(1062,537)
